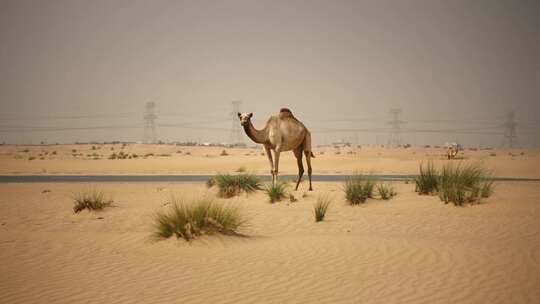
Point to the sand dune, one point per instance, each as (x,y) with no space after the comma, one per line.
(412,249)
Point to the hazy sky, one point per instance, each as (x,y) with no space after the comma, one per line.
(84,69)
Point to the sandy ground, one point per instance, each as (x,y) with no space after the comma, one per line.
(171,159)
(411,249)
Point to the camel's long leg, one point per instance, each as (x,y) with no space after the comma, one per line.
(269,155)
(298,155)
(308,161)
(277,151)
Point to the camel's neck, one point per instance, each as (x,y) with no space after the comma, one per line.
(258,136)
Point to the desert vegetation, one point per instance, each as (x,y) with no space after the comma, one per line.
(232,185)
(385,191)
(358,189)
(427,180)
(92,200)
(189,220)
(320,208)
(455,183)
(276,192)
(460,184)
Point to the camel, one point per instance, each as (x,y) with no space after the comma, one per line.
(282,132)
(452,150)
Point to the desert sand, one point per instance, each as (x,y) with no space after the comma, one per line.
(410,249)
(172,159)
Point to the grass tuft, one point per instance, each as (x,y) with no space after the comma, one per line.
(358,189)
(189,220)
(427,181)
(276,192)
(232,185)
(91,200)
(460,184)
(386,191)
(320,207)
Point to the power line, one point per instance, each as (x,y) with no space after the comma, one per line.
(510,131)
(149,133)
(395,124)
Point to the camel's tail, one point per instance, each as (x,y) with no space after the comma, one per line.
(312,155)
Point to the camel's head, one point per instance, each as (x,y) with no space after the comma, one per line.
(245,118)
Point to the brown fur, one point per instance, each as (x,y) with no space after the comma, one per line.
(282,132)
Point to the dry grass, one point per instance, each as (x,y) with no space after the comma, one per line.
(232,185)
(276,192)
(320,208)
(358,189)
(189,220)
(92,200)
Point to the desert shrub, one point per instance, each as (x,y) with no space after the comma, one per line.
(31,158)
(486,189)
(189,220)
(276,192)
(241,169)
(320,207)
(292,199)
(493,154)
(112,156)
(91,200)
(210,182)
(358,189)
(427,180)
(460,184)
(385,191)
(53,153)
(232,185)
(224,153)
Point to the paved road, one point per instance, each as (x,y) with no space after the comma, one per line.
(197,178)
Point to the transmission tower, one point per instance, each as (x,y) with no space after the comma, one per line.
(236,132)
(395,132)
(149,136)
(510,131)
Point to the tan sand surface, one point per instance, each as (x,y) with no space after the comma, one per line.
(412,249)
(166,159)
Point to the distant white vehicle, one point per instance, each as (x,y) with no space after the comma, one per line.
(452,149)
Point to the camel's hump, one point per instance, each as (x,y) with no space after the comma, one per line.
(285,113)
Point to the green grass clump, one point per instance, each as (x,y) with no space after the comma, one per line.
(320,208)
(189,220)
(358,189)
(232,185)
(276,192)
(427,181)
(385,191)
(91,200)
(460,184)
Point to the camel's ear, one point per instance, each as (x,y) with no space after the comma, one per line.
(250,115)
(239,114)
